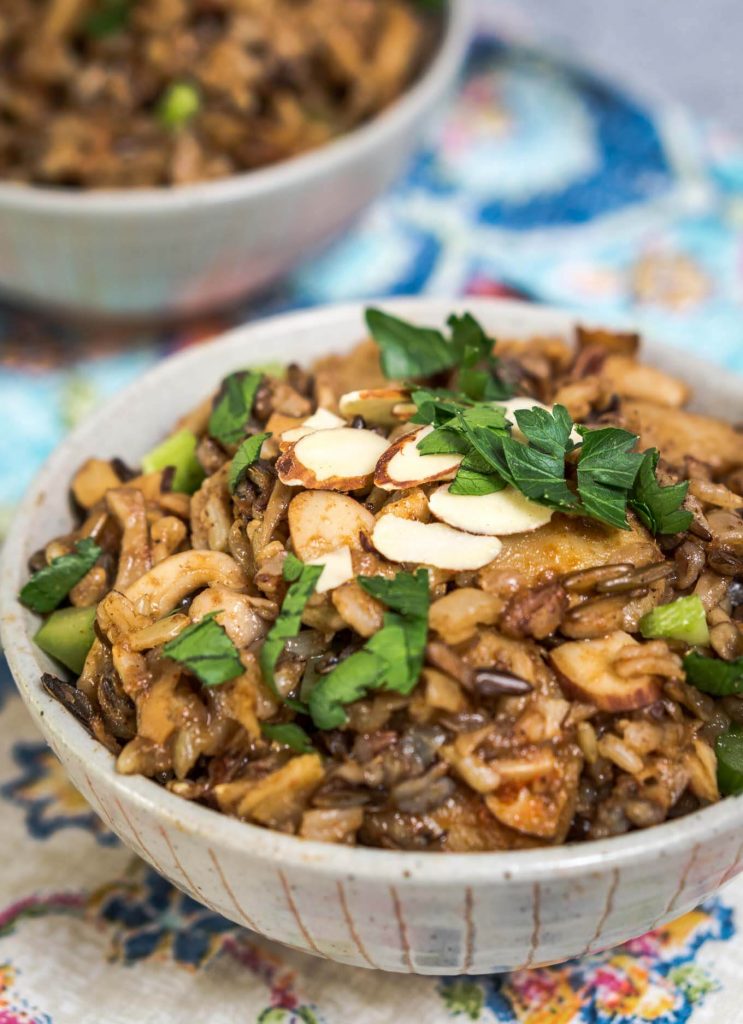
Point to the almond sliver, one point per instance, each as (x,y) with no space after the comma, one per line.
(498,514)
(403,466)
(435,544)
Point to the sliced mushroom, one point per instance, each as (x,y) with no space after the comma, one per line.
(92,480)
(498,514)
(243,617)
(456,616)
(435,544)
(403,466)
(623,376)
(162,588)
(587,672)
(323,419)
(338,459)
(376,405)
(322,521)
(127,505)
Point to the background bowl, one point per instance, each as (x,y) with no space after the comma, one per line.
(174,251)
(426,913)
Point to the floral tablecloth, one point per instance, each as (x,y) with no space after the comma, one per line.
(541,180)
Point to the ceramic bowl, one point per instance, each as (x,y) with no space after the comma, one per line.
(166,252)
(420,913)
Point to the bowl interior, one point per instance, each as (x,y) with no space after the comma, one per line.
(137,419)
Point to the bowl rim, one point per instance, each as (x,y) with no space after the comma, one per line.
(425,91)
(223,831)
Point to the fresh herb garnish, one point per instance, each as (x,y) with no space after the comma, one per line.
(108,18)
(729,750)
(48,587)
(180,102)
(683,619)
(659,508)
(291,735)
(303,579)
(712,675)
(607,468)
(409,351)
(234,406)
(244,458)
(206,650)
(390,660)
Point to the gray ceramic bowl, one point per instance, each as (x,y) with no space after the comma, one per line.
(174,251)
(430,913)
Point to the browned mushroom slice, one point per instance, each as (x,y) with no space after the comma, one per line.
(403,466)
(92,480)
(623,376)
(677,433)
(162,588)
(624,343)
(339,459)
(587,670)
(127,505)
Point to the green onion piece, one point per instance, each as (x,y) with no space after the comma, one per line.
(713,675)
(68,635)
(291,735)
(729,749)
(303,579)
(178,451)
(684,619)
(180,102)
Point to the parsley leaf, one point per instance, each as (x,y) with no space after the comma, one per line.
(233,408)
(108,18)
(290,734)
(207,651)
(48,587)
(303,579)
(548,432)
(712,675)
(659,508)
(390,660)
(475,476)
(244,458)
(607,468)
(443,442)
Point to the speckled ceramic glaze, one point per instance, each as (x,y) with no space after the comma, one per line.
(427,914)
(154,252)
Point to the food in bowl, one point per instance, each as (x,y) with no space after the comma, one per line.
(134,93)
(428,595)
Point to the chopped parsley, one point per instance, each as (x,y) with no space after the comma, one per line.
(234,406)
(729,750)
(390,660)
(409,351)
(48,587)
(290,735)
(659,508)
(714,676)
(303,579)
(245,456)
(108,18)
(207,651)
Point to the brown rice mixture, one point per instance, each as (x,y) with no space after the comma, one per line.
(540,711)
(134,93)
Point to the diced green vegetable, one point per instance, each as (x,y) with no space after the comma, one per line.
(303,580)
(108,18)
(178,451)
(68,635)
(291,735)
(729,750)
(207,651)
(245,456)
(48,587)
(234,406)
(179,104)
(683,619)
(713,675)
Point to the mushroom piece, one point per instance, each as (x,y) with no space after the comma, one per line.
(279,798)
(588,672)
(456,616)
(323,521)
(127,506)
(402,466)
(435,544)
(497,514)
(162,588)
(211,513)
(244,618)
(91,482)
(376,405)
(339,459)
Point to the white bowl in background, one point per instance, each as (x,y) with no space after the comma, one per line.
(432,913)
(176,251)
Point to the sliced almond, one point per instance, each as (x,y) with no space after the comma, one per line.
(514,405)
(322,521)
(376,405)
(337,569)
(337,459)
(586,669)
(435,544)
(493,515)
(402,465)
(323,419)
